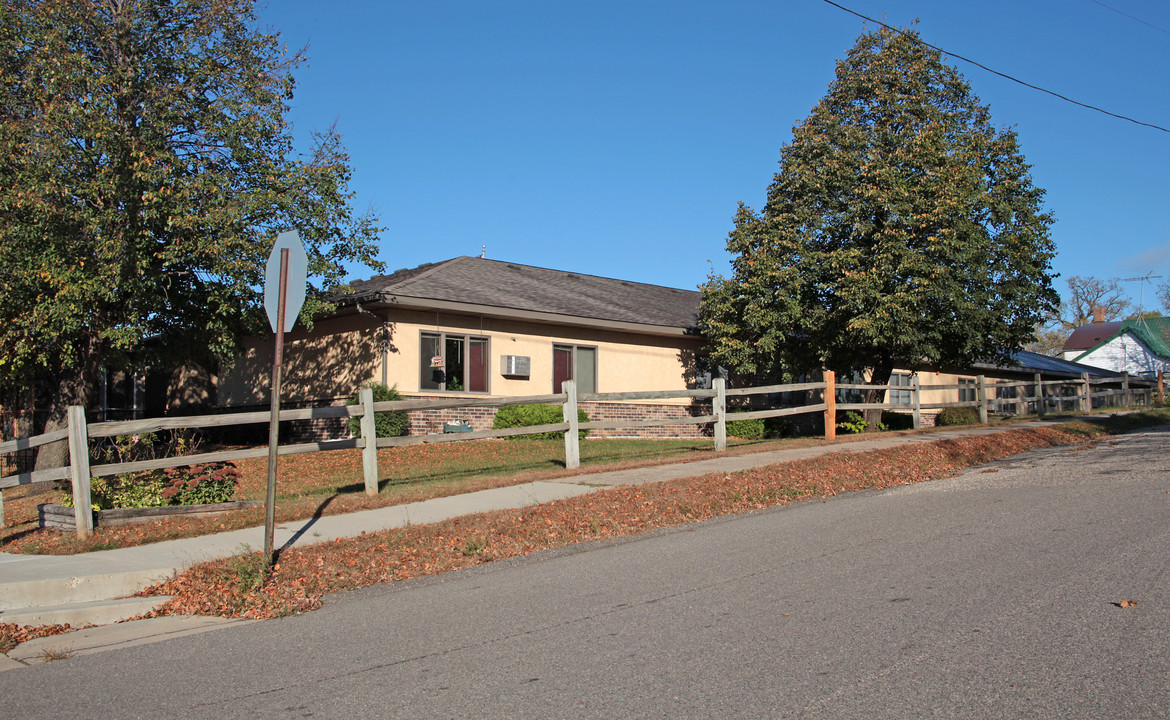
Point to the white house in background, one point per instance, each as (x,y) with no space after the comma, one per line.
(1139,346)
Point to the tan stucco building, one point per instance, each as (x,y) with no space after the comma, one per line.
(478,327)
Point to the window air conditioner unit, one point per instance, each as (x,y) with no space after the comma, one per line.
(515,366)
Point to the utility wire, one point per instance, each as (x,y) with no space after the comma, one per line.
(1131,17)
(996,72)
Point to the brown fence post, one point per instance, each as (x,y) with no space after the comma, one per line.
(79,471)
(719,406)
(1160,386)
(981,390)
(370,437)
(830,405)
(1126,397)
(1087,400)
(569,410)
(1040,410)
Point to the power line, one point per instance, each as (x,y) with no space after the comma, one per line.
(1131,17)
(1002,75)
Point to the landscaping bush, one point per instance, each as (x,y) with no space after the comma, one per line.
(758,429)
(512,416)
(127,490)
(851,423)
(897,420)
(201,484)
(188,485)
(386,424)
(745,429)
(957,416)
(778,427)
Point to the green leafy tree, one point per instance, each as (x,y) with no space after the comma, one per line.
(145,168)
(901,229)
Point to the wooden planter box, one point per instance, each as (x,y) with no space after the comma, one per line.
(60,517)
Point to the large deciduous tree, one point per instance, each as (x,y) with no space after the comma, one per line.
(145,167)
(902,229)
(1088,296)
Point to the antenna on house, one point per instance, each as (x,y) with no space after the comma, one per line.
(483,252)
(1147,278)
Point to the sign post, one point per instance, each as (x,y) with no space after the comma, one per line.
(284,294)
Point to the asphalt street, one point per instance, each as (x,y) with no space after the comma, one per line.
(995,594)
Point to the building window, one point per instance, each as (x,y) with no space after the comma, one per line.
(1006,399)
(967,390)
(575,362)
(899,396)
(455,363)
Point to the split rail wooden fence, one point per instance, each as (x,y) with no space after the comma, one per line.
(1039,396)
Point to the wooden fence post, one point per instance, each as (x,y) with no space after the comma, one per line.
(1160,386)
(916,393)
(370,437)
(719,406)
(572,442)
(1040,409)
(1087,400)
(981,395)
(830,405)
(1126,397)
(79,471)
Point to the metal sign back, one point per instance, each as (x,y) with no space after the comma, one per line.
(297,277)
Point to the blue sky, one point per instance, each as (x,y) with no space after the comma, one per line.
(615,137)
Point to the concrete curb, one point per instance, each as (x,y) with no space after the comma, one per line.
(111,637)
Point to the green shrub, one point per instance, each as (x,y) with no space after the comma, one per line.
(776,427)
(188,485)
(745,429)
(957,416)
(204,484)
(127,490)
(512,416)
(892,420)
(852,423)
(386,424)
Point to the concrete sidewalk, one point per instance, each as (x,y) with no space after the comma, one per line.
(85,589)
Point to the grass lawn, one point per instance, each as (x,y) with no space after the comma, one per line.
(331,483)
(328,483)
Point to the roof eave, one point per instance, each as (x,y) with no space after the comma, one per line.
(387,300)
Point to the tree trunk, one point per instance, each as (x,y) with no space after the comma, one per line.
(70,388)
(882,371)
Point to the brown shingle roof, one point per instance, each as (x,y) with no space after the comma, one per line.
(1088,336)
(509,286)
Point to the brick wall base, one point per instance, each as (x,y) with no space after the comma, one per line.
(621,412)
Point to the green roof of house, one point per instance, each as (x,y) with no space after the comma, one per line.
(1154,332)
